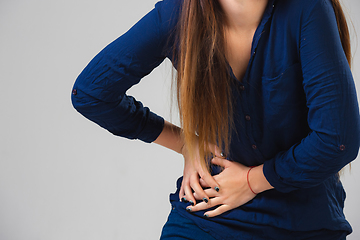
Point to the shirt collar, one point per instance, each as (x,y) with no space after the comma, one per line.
(267,14)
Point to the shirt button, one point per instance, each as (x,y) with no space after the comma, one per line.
(247,117)
(74,92)
(242,88)
(342,147)
(254,147)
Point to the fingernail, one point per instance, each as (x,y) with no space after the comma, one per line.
(206,215)
(205,200)
(217,189)
(188,209)
(192,203)
(183,199)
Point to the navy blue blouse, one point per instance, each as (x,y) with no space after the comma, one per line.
(296,112)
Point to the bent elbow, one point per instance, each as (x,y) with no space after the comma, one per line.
(353,148)
(83,103)
(350,149)
(77,100)
(74,101)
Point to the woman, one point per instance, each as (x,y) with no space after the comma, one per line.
(267,105)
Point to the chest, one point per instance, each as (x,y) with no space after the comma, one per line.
(238,53)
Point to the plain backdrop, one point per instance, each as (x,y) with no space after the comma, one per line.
(61,176)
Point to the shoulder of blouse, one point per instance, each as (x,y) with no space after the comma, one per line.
(168,15)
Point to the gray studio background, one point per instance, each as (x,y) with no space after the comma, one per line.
(61,176)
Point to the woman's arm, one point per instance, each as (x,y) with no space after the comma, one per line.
(99,92)
(170,137)
(333,114)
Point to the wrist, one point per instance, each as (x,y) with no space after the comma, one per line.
(248,181)
(257,181)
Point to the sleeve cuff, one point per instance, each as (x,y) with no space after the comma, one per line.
(152,129)
(274,179)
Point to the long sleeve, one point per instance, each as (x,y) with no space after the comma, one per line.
(99,92)
(333,115)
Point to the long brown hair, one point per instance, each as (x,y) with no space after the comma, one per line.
(203,80)
(343,29)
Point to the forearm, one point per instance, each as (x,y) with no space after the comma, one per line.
(170,137)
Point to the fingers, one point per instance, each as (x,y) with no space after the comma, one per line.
(217,211)
(196,178)
(185,193)
(203,183)
(191,190)
(209,181)
(205,205)
(181,192)
(189,195)
(211,193)
(220,162)
(213,203)
(195,185)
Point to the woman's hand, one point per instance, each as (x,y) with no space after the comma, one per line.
(170,137)
(193,172)
(234,189)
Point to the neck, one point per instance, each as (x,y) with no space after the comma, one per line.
(243,15)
